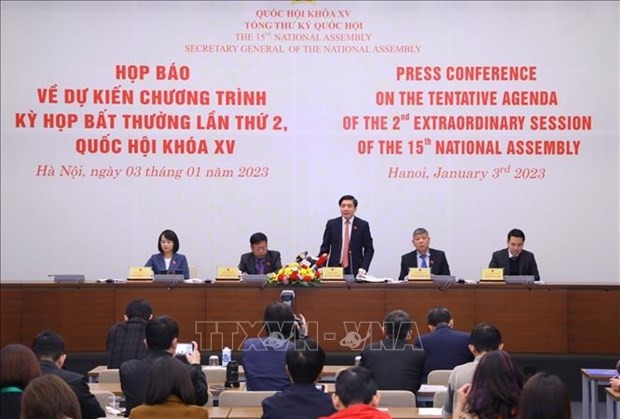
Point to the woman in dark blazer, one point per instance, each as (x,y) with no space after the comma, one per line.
(168,260)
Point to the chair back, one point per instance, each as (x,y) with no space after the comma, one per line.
(439,399)
(109,376)
(396,398)
(237,398)
(104,398)
(439,377)
(215,375)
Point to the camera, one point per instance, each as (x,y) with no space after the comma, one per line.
(232,375)
(184,349)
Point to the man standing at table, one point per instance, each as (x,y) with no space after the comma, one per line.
(423,256)
(347,239)
(514,259)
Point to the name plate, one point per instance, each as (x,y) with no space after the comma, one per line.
(228,272)
(492,274)
(140,273)
(419,274)
(332,272)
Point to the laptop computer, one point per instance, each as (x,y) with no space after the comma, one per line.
(254,278)
(519,279)
(68,278)
(170,276)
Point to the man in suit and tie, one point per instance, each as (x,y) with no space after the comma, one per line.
(514,259)
(347,239)
(260,260)
(423,256)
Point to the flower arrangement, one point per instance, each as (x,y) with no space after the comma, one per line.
(304,272)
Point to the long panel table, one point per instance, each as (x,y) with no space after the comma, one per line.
(558,319)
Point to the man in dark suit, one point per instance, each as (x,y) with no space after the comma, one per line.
(125,340)
(514,259)
(302,400)
(445,348)
(49,347)
(161,339)
(396,364)
(347,239)
(260,260)
(423,256)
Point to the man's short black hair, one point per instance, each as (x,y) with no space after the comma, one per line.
(438,315)
(305,361)
(515,232)
(279,318)
(139,308)
(348,198)
(356,385)
(257,238)
(48,344)
(160,332)
(397,324)
(486,337)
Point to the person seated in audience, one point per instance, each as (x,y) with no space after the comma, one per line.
(50,397)
(444,347)
(544,396)
(302,400)
(168,259)
(125,340)
(614,382)
(260,260)
(396,364)
(356,395)
(484,338)
(169,393)
(264,359)
(423,256)
(18,367)
(49,347)
(494,391)
(514,259)
(161,339)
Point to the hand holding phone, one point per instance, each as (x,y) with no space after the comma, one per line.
(184,349)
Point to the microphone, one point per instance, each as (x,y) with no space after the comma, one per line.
(301,256)
(322,260)
(351,263)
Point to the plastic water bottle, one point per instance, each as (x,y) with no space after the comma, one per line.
(226,354)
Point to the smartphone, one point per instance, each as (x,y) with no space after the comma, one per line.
(184,349)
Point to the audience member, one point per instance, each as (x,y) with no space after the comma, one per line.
(494,391)
(168,259)
(161,339)
(544,396)
(347,239)
(356,395)
(484,338)
(49,347)
(264,359)
(514,259)
(396,364)
(614,382)
(423,256)
(125,340)
(169,393)
(445,348)
(302,400)
(260,260)
(18,367)
(50,397)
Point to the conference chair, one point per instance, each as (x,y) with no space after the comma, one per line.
(193,271)
(209,402)
(236,398)
(396,398)
(439,399)
(109,376)
(438,377)
(215,375)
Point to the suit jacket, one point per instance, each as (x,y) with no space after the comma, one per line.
(527,263)
(178,263)
(273,262)
(135,373)
(438,263)
(125,341)
(299,401)
(360,244)
(173,407)
(445,348)
(396,364)
(88,403)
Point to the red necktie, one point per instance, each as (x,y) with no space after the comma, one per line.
(345,248)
